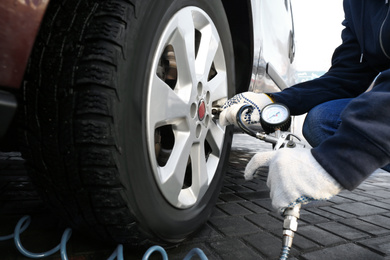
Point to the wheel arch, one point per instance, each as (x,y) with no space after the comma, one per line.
(239,14)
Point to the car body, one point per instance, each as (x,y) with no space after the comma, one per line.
(116,103)
(20,22)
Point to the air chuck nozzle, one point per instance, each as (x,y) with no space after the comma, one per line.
(290,226)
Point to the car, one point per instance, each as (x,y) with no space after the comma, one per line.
(115,101)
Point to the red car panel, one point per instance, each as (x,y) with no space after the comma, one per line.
(19,25)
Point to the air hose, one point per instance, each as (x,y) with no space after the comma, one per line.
(25,221)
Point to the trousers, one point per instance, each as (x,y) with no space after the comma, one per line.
(323,121)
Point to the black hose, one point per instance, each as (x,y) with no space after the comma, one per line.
(241,124)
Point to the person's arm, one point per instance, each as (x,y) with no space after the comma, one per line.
(360,146)
(347,78)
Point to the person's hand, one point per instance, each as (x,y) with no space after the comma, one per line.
(231,107)
(294,177)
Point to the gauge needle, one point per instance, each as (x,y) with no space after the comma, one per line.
(274,115)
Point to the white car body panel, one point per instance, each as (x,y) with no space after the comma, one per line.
(273,41)
(274,51)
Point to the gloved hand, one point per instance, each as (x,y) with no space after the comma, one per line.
(294,177)
(231,107)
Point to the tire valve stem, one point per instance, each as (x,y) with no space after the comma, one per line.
(215,111)
(290,226)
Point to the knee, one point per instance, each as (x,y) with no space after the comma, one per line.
(312,121)
(323,121)
(312,128)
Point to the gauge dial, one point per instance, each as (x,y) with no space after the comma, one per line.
(275,116)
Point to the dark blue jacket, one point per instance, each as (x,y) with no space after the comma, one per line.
(362,143)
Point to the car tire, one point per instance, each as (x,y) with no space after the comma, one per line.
(118,135)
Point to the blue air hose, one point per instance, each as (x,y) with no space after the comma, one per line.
(25,221)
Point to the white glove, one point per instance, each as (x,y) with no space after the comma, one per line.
(294,177)
(231,107)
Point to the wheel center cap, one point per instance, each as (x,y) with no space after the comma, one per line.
(201,110)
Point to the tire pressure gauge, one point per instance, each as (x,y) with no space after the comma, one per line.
(275,116)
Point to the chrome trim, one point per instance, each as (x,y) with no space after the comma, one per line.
(274,75)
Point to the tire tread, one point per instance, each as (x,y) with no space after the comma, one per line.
(69,94)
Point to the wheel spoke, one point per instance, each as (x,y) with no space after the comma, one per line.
(207,50)
(172,174)
(200,180)
(215,138)
(162,100)
(217,86)
(183,42)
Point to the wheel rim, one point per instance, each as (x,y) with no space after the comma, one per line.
(187,79)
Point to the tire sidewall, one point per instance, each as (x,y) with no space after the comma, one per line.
(151,210)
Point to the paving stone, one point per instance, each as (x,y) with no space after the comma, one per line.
(238,188)
(253,195)
(303,243)
(233,226)
(387,201)
(377,193)
(360,209)
(277,215)
(179,253)
(253,207)
(82,247)
(382,184)
(316,204)
(205,233)
(24,207)
(312,218)
(340,200)
(365,226)
(380,204)
(265,203)
(337,212)
(261,177)
(345,252)
(219,201)
(225,189)
(234,209)
(354,196)
(229,197)
(343,230)
(265,221)
(366,187)
(15,155)
(248,143)
(218,213)
(319,236)
(257,185)
(379,244)
(324,213)
(232,182)
(233,249)
(378,220)
(267,244)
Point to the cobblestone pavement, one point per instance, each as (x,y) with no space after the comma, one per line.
(352,225)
